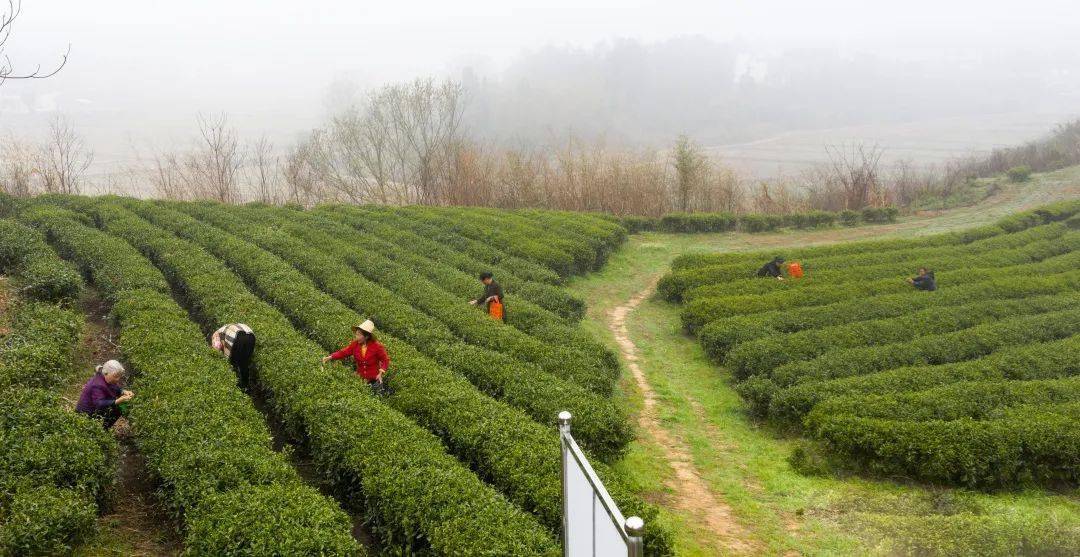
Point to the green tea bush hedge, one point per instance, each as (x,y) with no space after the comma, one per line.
(523,246)
(587,251)
(879,215)
(385,225)
(1054,212)
(40,274)
(719,336)
(701,311)
(39,350)
(1030,444)
(976,384)
(599,425)
(206,443)
(837,276)
(200,435)
(635,224)
(511,451)
(108,262)
(933,349)
(422,257)
(479,250)
(687,223)
(1042,360)
(375,456)
(45,520)
(44,444)
(763,355)
(1009,249)
(592,371)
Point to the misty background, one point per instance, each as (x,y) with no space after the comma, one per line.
(764,85)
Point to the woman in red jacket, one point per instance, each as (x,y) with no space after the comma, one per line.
(367,353)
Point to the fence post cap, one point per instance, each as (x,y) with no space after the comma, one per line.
(564,418)
(635,526)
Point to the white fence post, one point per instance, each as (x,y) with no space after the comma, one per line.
(593,526)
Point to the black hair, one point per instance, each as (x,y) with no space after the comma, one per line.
(778,259)
(369,336)
(486,275)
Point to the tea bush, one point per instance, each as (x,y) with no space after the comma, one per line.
(375,455)
(511,451)
(975,384)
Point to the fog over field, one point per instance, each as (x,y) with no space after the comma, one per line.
(764,84)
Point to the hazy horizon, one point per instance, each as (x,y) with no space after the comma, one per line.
(629,72)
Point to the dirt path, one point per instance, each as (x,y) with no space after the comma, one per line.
(135,523)
(692,493)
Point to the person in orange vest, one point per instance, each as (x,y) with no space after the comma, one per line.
(492,298)
(794,270)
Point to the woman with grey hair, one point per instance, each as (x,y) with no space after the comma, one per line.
(102,396)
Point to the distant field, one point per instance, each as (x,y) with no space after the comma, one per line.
(923,142)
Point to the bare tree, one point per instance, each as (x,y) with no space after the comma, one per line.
(427,125)
(63,159)
(17,174)
(300,175)
(217,162)
(264,171)
(7,69)
(856,169)
(167,175)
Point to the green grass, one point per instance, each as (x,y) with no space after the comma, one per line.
(747,466)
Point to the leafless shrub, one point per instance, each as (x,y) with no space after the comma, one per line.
(856,169)
(215,165)
(63,159)
(263,172)
(301,178)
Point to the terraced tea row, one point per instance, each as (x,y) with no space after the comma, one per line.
(972,384)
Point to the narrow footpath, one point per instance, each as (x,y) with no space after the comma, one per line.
(692,493)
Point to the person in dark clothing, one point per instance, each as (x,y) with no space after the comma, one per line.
(493,298)
(237,342)
(924,281)
(772,269)
(102,396)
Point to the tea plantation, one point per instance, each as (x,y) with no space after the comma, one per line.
(974,384)
(460,458)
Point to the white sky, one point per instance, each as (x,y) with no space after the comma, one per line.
(272,56)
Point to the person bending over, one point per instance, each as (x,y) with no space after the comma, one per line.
(772,269)
(101,396)
(237,342)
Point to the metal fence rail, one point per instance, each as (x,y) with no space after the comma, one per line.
(593,526)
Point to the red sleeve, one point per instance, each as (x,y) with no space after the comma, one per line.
(384,358)
(344,352)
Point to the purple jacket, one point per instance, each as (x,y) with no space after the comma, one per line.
(97,394)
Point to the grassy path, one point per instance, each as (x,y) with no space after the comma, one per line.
(694,434)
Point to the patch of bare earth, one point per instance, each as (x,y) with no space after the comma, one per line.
(691,493)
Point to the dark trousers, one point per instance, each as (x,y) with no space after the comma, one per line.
(378,388)
(108,415)
(243,349)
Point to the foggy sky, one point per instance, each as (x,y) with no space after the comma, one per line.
(271,63)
